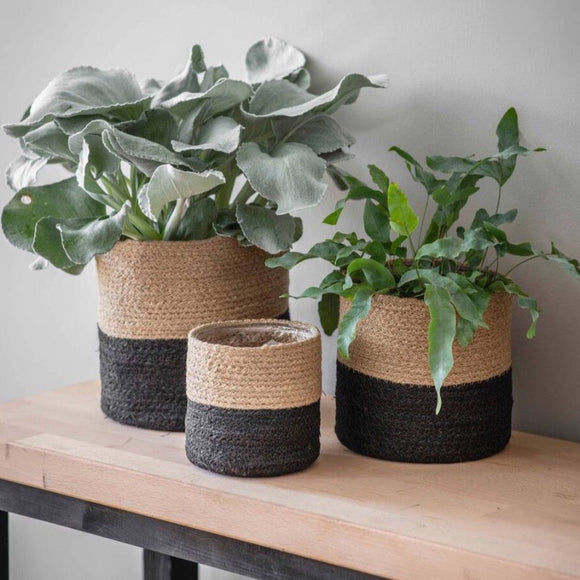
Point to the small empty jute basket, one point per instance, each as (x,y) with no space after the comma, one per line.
(151,294)
(385,398)
(253,397)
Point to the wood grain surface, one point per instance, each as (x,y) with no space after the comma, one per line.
(512,516)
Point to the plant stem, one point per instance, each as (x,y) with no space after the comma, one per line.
(174,219)
(498,199)
(520,263)
(245,193)
(423,219)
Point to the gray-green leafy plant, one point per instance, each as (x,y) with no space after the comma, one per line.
(163,161)
(455,273)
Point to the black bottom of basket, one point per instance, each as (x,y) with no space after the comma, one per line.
(398,422)
(252,443)
(143,381)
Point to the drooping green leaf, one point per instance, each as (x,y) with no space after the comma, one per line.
(377,222)
(49,141)
(571,265)
(377,275)
(281,98)
(403,219)
(328,312)
(291,175)
(197,221)
(321,133)
(218,134)
(379,178)
(47,243)
(83,243)
(418,173)
(84,91)
(272,58)
(524,301)
(169,184)
(61,200)
(22,171)
(265,229)
(441,336)
(359,309)
(451,248)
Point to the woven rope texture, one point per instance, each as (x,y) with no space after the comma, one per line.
(391,343)
(153,290)
(252,443)
(397,422)
(143,381)
(254,365)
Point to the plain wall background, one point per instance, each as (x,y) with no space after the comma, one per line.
(455,67)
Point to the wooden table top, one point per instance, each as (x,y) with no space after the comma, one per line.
(515,515)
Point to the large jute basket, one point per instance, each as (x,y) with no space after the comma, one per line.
(385,398)
(253,397)
(151,294)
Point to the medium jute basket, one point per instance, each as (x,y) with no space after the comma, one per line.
(385,398)
(151,294)
(253,397)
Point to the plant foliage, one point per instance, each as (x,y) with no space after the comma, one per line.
(163,160)
(454,272)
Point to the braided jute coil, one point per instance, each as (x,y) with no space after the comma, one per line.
(150,295)
(253,397)
(153,289)
(385,395)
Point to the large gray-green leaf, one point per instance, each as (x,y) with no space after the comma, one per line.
(359,309)
(328,312)
(219,134)
(282,98)
(64,199)
(225,94)
(272,58)
(265,229)
(185,81)
(83,243)
(94,160)
(146,155)
(84,91)
(23,170)
(197,222)
(301,77)
(441,336)
(291,175)
(321,133)
(49,141)
(169,184)
(95,127)
(212,75)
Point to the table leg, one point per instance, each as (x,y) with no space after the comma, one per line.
(158,566)
(4,568)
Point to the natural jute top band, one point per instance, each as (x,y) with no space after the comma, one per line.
(154,290)
(265,364)
(392,344)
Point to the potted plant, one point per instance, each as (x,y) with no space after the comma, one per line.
(155,196)
(423,306)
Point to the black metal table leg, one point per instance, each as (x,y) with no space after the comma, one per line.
(158,566)
(4,563)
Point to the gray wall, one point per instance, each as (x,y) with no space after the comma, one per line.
(455,67)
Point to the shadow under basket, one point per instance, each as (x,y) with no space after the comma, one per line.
(150,296)
(385,398)
(253,397)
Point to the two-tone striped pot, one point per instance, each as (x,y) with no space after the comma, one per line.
(253,397)
(151,294)
(385,398)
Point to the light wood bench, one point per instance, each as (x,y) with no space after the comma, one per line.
(513,516)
